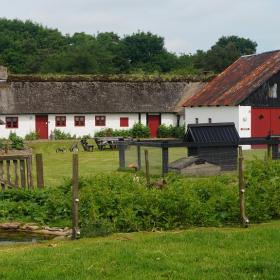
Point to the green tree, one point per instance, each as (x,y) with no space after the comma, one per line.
(224,53)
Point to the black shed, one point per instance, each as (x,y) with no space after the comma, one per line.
(214,142)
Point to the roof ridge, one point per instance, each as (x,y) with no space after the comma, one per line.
(255,54)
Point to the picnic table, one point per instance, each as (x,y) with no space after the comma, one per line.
(110,142)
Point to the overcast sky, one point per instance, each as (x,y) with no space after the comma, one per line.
(186,25)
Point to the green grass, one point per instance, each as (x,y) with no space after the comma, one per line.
(57,166)
(208,253)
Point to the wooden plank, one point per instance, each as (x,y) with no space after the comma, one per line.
(39,170)
(139,157)
(13,157)
(121,155)
(15,162)
(165,160)
(8,165)
(22,174)
(243,219)
(147,164)
(75,200)
(29,172)
(2,174)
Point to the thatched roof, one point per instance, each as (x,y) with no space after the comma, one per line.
(80,97)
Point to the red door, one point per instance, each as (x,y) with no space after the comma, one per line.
(275,121)
(42,126)
(153,124)
(260,122)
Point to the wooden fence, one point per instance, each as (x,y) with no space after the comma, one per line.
(16,171)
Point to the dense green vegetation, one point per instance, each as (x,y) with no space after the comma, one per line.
(117,202)
(27,47)
(213,254)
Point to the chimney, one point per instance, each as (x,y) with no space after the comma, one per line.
(3,73)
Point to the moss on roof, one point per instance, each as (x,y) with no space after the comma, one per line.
(111,78)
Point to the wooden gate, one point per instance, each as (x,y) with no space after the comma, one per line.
(16,171)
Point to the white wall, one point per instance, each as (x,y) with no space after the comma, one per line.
(240,115)
(217,114)
(244,128)
(26,124)
(112,121)
(169,119)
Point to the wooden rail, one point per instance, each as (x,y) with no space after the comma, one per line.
(16,171)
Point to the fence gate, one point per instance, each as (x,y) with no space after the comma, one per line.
(16,171)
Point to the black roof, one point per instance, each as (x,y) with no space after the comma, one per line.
(212,133)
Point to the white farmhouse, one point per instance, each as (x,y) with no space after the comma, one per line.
(83,105)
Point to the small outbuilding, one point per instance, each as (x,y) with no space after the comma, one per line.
(215,143)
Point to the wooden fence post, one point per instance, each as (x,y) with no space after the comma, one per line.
(2,174)
(165,160)
(139,157)
(243,219)
(269,156)
(22,173)
(75,200)
(147,164)
(121,154)
(39,170)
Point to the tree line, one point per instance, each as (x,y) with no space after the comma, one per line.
(30,48)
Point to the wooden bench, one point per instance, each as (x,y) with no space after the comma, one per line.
(108,142)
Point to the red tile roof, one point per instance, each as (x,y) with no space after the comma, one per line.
(238,81)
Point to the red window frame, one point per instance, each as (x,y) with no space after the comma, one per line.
(100,120)
(124,121)
(60,121)
(11,122)
(79,120)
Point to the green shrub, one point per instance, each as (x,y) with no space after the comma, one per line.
(140,131)
(60,135)
(121,202)
(179,131)
(106,132)
(165,131)
(171,131)
(137,131)
(31,136)
(16,141)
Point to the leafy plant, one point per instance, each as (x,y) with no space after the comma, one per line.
(140,131)
(60,135)
(31,136)
(171,131)
(16,141)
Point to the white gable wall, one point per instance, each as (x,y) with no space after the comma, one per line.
(240,115)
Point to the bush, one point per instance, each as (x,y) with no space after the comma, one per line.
(179,131)
(137,131)
(171,131)
(140,131)
(60,135)
(165,131)
(16,141)
(31,136)
(122,203)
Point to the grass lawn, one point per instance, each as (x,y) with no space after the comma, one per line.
(206,253)
(57,166)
